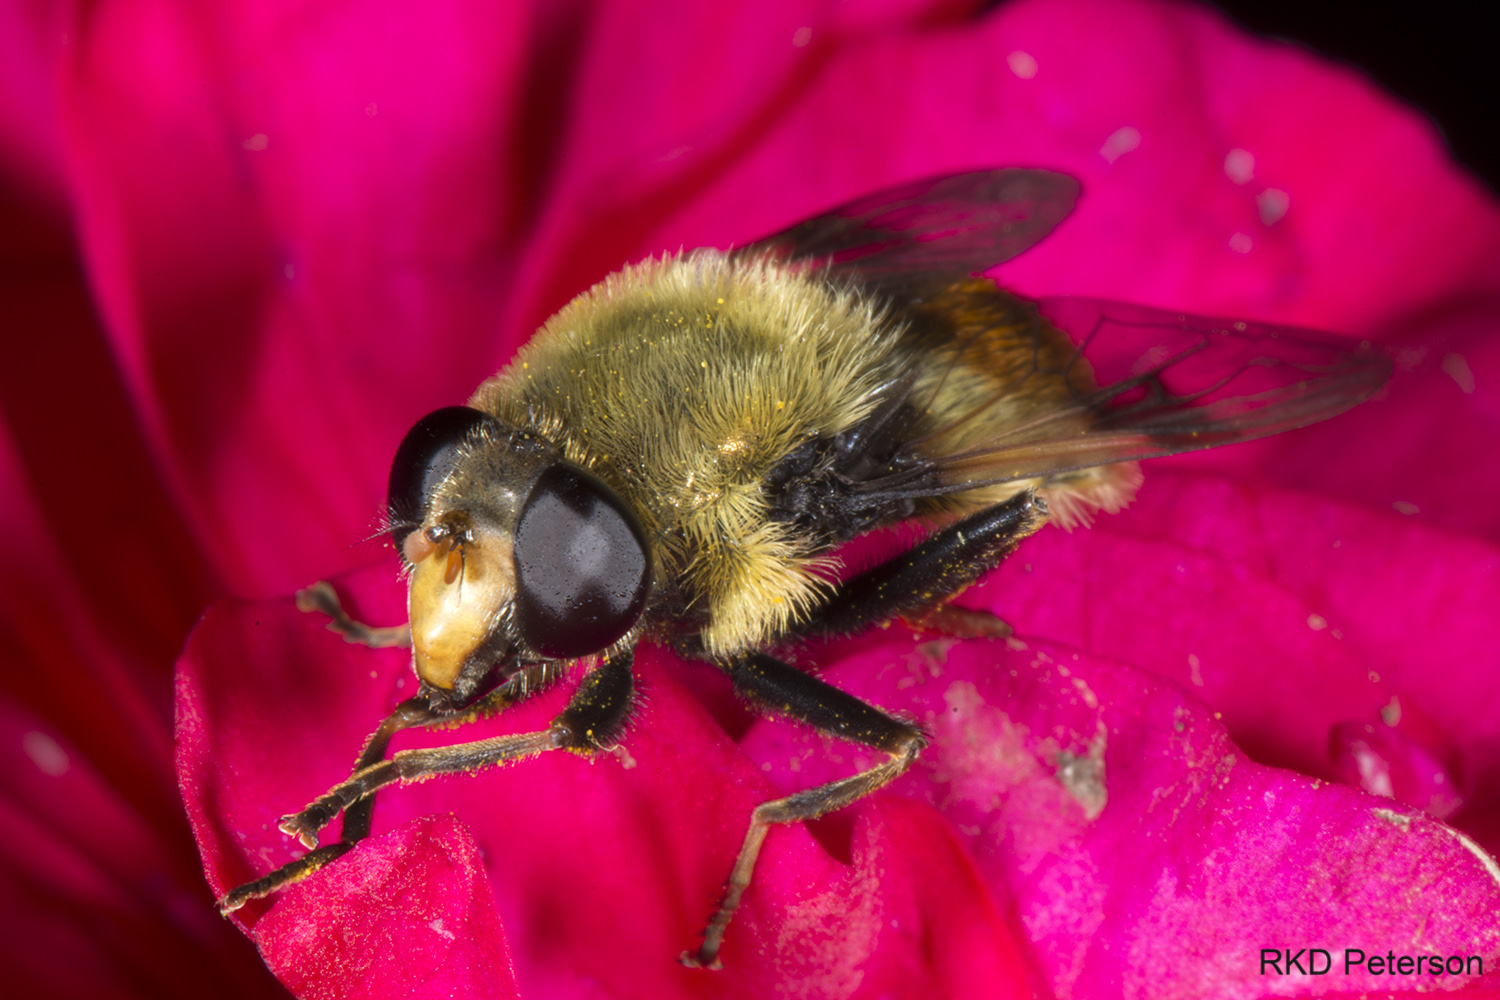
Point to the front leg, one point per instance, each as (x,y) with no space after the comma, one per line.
(359,813)
(594,718)
(778,688)
(410,713)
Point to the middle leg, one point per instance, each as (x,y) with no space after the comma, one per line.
(917,584)
(785,690)
(593,719)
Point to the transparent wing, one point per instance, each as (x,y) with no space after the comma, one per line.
(944,226)
(1167,383)
(1135,382)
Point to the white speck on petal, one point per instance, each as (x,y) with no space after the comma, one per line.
(1239,165)
(1195,674)
(1121,141)
(1241,242)
(371,109)
(1374,772)
(1272,204)
(437,926)
(1083,778)
(1317,622)
(257,143)
(801,37)
(1406,507)
(49,758)
(1023,64)
(1391,713)
(1456,367)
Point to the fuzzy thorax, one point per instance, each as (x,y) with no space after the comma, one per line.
(682,382)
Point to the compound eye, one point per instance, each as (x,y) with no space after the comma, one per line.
(422,459)
(582,570)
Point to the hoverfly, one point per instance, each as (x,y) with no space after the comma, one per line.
(677,454)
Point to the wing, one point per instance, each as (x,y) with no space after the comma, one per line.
(1142,383)
(940,228)
(1028,392)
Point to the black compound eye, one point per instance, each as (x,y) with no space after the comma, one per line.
(422,459)
(582,570)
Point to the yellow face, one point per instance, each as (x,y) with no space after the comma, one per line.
(461,585)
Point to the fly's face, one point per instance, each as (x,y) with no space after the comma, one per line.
(516,555)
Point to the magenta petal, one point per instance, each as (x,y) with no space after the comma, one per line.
(938,930)
(602,872)
(408,914)
(1145,854)
(1288,613)
(355,200)
(256,724)
(292,217)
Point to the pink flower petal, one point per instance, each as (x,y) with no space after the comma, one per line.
(86,875)
(602,872)
(1146,855)
(99,889)
(1288,614)
(243,173)
(410,914)
(1421,448)
(306,227)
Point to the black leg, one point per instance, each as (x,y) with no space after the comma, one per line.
(784,690)
(593,719)
(921,580)
(359,814)
(410,713)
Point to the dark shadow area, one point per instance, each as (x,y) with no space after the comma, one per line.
(1437,56)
